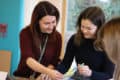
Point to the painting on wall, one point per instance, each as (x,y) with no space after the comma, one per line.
(111,9)
(3,30)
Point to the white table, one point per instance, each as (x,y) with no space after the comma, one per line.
(3,75)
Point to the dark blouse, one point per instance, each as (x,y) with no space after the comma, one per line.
(102,68)
(28,49)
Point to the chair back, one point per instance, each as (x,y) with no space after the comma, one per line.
(5,60)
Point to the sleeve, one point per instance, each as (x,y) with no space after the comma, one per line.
(107,71)
(68,58)
(26,46)
(58,49)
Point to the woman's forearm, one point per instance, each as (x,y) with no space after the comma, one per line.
(37,67)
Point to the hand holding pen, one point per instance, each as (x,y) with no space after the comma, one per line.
(84,70)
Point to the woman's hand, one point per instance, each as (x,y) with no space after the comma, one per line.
(43,77)
(51,75)
(55,75)
(84,70)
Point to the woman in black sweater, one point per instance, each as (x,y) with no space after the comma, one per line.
(97,66)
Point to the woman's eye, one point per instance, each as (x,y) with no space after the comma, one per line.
(46,23)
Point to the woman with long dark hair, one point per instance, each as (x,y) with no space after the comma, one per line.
(40,43)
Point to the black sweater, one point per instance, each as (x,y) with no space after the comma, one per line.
(102,68)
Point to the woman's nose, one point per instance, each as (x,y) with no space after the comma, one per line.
(84,30)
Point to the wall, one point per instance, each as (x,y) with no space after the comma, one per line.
(11,13)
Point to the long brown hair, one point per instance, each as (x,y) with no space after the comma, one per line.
(95,15)
(42,9)
(108,39)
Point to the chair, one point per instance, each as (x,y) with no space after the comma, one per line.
(5,60)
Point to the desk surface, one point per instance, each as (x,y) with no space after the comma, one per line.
(3,75)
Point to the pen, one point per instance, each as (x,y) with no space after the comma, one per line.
(80,65)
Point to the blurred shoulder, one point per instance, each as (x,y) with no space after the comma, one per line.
(26,31)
